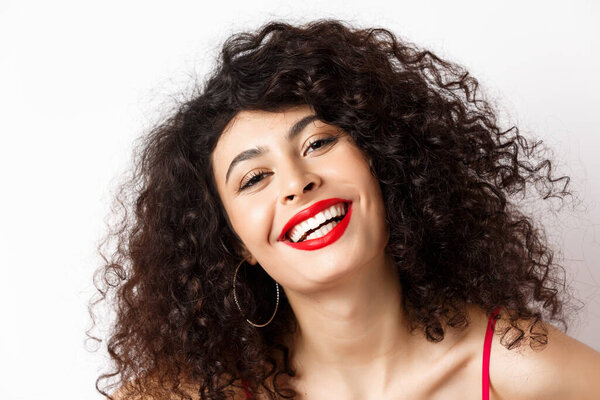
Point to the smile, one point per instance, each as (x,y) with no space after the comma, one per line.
(317,226)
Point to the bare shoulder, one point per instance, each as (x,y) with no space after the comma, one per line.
(562,369)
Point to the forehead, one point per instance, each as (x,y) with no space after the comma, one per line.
(255,124)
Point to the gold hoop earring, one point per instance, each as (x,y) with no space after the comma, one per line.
(240,308)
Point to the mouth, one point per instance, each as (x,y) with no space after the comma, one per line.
(318,225)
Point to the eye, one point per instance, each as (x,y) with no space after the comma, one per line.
(317,144)
(253,179)
(256,176)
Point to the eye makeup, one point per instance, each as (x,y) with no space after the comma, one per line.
(254,177)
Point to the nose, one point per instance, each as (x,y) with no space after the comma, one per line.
(296,182)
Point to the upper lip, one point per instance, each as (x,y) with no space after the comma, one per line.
(308,212)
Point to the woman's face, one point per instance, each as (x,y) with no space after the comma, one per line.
(291,161)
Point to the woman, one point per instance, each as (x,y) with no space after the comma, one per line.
(331,218)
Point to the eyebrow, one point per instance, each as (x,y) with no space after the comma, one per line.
(257,151)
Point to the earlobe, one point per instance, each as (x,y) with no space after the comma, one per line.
(250,259)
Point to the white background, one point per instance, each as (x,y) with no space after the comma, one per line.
(80,80)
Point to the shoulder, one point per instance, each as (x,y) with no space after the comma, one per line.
(563,369)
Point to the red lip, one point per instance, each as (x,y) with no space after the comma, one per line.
(309,212)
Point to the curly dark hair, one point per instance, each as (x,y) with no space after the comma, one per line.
(447,172)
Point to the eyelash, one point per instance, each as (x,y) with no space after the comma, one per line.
(251,181)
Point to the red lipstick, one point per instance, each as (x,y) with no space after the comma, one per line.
(311,211)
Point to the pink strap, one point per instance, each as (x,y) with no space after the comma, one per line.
(245,385)
(487,347)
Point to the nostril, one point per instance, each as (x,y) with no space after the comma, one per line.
(309,186)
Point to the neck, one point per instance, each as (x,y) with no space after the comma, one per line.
(354,327)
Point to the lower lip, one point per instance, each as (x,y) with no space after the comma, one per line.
(331,236)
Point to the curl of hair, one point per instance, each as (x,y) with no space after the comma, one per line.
(446,171)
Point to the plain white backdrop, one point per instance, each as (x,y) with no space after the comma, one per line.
(80,80)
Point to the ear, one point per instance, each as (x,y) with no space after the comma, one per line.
(250,259)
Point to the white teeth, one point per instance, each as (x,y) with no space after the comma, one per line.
(323,231)
(320,218)
(305,226)
(312,223)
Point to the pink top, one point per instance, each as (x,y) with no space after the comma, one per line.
(487,346)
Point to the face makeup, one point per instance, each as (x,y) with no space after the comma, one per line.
(301,197)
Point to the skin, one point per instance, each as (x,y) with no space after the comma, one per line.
(353,338)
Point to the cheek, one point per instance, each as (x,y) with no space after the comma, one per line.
(356,164)
(252,222)
(369,184)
